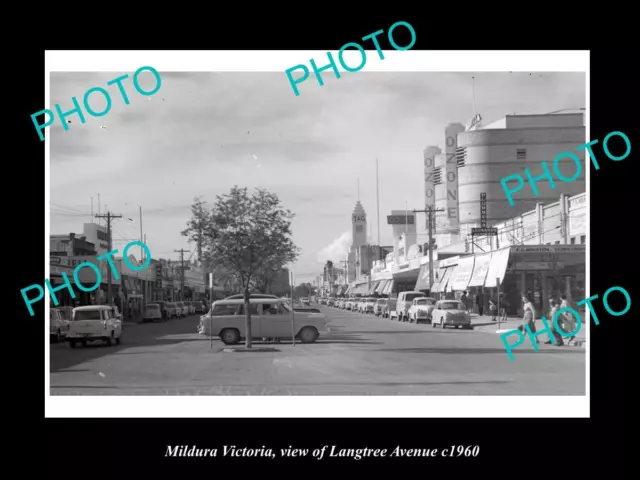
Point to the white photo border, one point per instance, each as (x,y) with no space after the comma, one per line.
(317,406)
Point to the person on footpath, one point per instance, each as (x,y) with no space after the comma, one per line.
(529,316)
(503,307)
(568,322)
(480,303)
(465,300)
(554,306)
(494,310)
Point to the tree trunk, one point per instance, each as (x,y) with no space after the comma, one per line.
(247,317)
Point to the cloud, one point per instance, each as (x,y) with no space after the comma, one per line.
(337,250)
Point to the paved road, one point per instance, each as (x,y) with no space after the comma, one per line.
(363,355)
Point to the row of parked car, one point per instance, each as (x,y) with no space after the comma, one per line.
(413,307)
(62,318)
(170,310)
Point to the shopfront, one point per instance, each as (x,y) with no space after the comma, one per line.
(547,271)
(441,288)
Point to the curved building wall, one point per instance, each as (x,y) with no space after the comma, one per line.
(494,154)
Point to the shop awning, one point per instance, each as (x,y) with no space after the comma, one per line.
(388,288)
(464,270)
(497,267)
(423,278)
(480,270)
(445,283)
(373,287)
(381,286)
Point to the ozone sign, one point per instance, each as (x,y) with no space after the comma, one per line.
(400,219)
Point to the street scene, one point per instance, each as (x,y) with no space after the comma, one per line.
(351,241)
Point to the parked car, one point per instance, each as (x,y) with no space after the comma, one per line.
(270,317)
(451,313)
(420,310)
(389,307)
(405,300)
(379,307)
(172,310)
(152,313)
(305,301)
(368,305)
(94,323)
(163,308)
(200,307)
(58,325)
(183,309)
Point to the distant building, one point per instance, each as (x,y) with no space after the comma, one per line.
(68,245)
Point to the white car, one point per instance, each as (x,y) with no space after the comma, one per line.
(94,323)
(58,326)
(270,317)
(451,313)
(421,309)
(152,313)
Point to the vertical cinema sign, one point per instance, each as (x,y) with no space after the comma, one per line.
(450,177)
(429,187)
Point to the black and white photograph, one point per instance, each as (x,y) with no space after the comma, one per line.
(394,242)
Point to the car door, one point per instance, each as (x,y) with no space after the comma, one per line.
(276,321)
(256,321)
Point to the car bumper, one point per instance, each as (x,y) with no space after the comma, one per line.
(89,336)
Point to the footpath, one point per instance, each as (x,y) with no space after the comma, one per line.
(485,324)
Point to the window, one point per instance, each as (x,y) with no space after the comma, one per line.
(437,176)
(461,156)
(573,240)
(253,309)
(220,310)
(87,315)
(521,154)
(583,239)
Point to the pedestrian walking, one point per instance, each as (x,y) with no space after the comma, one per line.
(480,303)
(503,307)
(494,310)
(464,299)
(529,316)
(554,306)
(568,320)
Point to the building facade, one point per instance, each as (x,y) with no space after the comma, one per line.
(481,155)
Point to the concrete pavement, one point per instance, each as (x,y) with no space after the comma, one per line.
(363,355)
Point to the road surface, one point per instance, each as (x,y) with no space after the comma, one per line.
(363,355)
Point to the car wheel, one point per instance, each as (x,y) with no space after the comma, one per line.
(230,336)
(72,343)
(118,339)
(433,324)
(108,340)
(308,335)
(442,323)
(83,343)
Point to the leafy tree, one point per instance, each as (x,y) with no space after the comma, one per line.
(244,233)
(304,290)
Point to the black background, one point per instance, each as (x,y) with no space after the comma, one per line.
(547,448)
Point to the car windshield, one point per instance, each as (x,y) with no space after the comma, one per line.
(422,301)
(151,308)
(371,300)
(450,306)
(86,315)
(410,296)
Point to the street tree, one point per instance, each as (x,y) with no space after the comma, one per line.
(243,233)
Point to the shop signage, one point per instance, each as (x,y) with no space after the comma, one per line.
(473,122)
(55,260)
(550,249)
(448,262)
(484,231)
(400,219)
(359,218)
(158,275)
(537,265)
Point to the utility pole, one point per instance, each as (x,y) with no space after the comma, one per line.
(141,240)
(182,251)
(430,214)
(109,216)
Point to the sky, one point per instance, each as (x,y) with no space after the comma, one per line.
(203,133)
